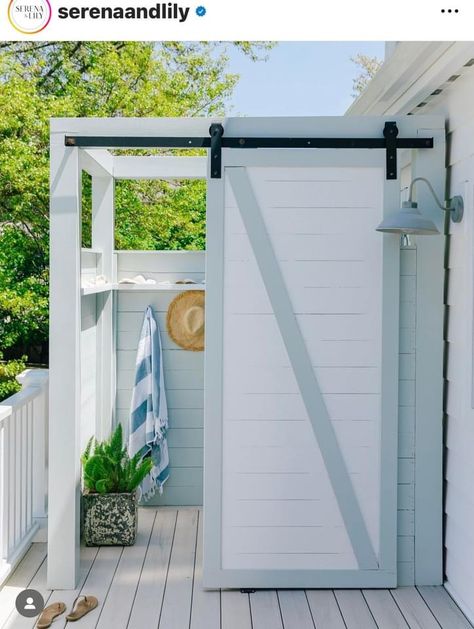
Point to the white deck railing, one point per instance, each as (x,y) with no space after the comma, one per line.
(23,467)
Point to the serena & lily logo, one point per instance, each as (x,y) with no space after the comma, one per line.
(29,16)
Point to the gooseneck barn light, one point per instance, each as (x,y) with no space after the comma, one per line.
(409,219)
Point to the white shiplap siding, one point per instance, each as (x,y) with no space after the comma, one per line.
(416,85)
(456,105)
(406,419)
(184,370)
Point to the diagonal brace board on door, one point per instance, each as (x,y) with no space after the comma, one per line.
(301,363)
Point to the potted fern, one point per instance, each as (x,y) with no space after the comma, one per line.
(109,499)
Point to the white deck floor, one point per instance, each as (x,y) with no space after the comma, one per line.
(156,583)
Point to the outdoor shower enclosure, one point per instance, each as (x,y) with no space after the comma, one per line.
(312,394)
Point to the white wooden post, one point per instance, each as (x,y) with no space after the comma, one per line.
(103,223)
(65,326)
(429,368)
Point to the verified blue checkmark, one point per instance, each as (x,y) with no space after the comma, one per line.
(201,11)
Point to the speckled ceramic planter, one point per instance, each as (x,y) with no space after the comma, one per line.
(110,519)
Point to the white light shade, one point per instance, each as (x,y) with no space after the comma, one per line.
(408,220)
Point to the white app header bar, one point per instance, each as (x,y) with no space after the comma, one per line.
(277,20)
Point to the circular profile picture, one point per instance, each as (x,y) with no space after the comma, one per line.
(29,16)
(29,603)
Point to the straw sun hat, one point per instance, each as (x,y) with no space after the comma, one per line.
(185,320)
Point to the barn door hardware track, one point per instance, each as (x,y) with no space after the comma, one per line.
(216,141)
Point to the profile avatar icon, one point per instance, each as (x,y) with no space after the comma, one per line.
(29,603)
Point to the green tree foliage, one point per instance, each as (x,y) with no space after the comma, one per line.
(40,80)
(8,373)
(23,291)
(368,66)
(160,215)
(108,469)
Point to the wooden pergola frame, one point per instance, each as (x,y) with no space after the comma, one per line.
(67,164)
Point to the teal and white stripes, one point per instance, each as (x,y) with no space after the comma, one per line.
(149,411)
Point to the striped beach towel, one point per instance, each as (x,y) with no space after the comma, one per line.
(149,411)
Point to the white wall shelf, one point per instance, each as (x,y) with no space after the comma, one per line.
(93,290)
(103,288)
(158,287)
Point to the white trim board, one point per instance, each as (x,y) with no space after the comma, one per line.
(138,167)
(330,126)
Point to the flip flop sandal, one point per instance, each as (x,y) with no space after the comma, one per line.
(83,607)
(49,614)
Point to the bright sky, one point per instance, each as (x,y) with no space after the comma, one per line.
(299,79)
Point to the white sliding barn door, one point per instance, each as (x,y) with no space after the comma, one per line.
(302,371)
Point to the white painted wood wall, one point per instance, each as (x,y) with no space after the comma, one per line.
(456,105)
(184,370)
(440,76)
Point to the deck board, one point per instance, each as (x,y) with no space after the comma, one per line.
(38,583)
(235,610)
(206,606)
(151,588)
(265,610)
(325,610)
(122,591)
(99,580)
(384,609)
(50,597)
(176,610)
(295,609)
(414,609)
(20,579)
(158,584)
(354,609)
(444,608)
(88,556)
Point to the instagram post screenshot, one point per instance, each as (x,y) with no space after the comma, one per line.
(236,314)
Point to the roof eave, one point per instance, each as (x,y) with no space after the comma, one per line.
(409,75)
